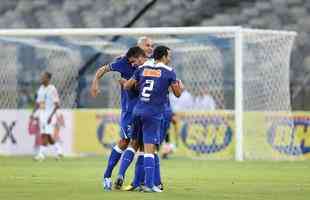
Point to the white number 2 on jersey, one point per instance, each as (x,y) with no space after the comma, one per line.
(147,89)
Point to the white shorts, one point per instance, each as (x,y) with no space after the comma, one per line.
(46,128)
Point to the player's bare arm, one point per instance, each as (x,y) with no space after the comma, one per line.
(131,83)
(177,88)
(57,106)
(95,83)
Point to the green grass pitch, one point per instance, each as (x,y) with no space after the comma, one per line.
(80,178)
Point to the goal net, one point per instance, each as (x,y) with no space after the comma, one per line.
(237,81)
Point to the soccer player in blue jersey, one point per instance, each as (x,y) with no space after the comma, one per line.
(153,82)
(128,155)
(125,66)
(139,171)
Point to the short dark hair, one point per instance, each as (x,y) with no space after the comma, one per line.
(160,52)
(49,75)
(135,52)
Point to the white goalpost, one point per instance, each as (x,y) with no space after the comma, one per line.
(246,71)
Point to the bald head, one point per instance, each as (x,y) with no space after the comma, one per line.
(146,44)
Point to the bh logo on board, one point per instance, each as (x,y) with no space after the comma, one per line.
(290,135)
(206,134)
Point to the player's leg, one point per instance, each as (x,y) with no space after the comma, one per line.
(51,141)
(157,174)
(42,148)
(151,131)
(37,142)
(129,153)
(114,157)
(139,167)
(116,153)
(139,174)
(50,131)
(126,160)
(56,138)
(55,147)
(44,138)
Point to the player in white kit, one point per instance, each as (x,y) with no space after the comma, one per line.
(47,104)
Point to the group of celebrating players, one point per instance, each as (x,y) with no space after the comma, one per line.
(145,82)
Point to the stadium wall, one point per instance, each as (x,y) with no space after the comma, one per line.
(200,135)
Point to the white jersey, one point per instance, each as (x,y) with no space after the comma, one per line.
(47,96)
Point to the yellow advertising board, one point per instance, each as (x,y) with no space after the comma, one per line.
(95,130)
(277,135)
(206,135)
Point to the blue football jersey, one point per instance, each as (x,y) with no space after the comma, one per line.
(153,83)
(129,98)
(168,109)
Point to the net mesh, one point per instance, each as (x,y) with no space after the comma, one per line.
(266,88)
(8,74)
(206,65)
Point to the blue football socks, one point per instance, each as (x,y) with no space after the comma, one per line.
(127,158)
(149,168)
(113,159)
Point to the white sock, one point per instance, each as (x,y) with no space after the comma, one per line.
(58,148)
(42,150)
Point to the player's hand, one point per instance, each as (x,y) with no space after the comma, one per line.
(180,84)
(94,90)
